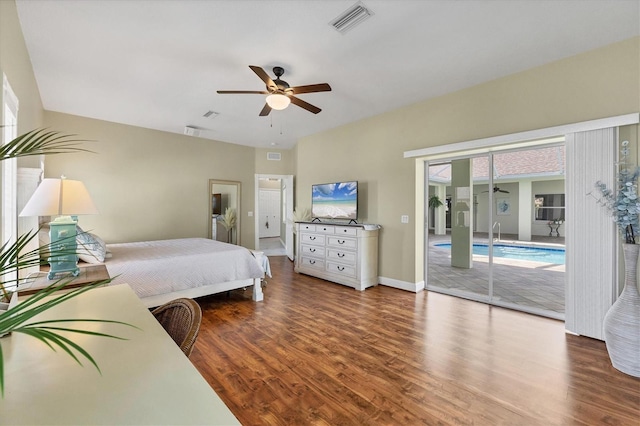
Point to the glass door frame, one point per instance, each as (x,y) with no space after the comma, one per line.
(485,298)
(490,297)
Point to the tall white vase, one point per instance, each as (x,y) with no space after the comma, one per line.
(622,322)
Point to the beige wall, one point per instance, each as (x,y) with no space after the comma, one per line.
(16,65)
(272,167)
(596,84)
(151,185)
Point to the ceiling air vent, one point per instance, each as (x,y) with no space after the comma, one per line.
(351,17)
(273,156)
(191,131)
(211,114)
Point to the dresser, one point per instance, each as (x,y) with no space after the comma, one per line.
(344,254)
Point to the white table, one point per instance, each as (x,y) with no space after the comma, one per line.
(145,380)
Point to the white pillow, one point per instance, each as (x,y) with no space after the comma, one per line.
(91,248)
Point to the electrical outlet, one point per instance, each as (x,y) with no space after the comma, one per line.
(404,218)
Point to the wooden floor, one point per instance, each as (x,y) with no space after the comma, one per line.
(314,352)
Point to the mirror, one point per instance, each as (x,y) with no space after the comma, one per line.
(224,211)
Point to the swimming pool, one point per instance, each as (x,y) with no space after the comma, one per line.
(534,254)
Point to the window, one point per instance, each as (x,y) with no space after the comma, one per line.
(549,206)
(9,167)
(8,172)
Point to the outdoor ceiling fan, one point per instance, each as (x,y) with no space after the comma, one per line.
(280,94)
(496,189)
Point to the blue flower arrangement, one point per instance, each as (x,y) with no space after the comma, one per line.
(623,204)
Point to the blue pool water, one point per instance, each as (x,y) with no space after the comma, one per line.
(535,254)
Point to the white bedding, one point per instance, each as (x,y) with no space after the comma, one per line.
(156,268)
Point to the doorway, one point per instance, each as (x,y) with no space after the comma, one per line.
(274,208)
(496,246)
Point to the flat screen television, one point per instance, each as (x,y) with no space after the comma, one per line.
(337,200)
(216,203)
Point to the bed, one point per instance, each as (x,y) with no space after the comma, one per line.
(160,271)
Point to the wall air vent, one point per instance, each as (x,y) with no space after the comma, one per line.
(351,17)
(274,156)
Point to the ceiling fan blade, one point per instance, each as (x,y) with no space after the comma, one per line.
(263,76)
(265,111)
(243,92)
(311,88)
(305,105)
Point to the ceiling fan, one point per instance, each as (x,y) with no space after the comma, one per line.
(496,189)
(280,94)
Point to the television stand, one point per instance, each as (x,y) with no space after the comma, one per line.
(345,254)
(351,221)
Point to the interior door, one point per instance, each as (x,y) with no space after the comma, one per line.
(269,211)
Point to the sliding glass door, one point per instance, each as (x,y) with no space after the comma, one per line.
(499,236)
(453,265)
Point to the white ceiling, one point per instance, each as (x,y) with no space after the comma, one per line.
(158,63)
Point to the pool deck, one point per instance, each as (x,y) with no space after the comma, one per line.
(530,286)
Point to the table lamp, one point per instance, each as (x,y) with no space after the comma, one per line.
(65,199)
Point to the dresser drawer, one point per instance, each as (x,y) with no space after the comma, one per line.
(346,230)
(307,227)
(313,263)
(315,239)
(324,229)
(347,257)
(313,251)
(346,270)
(350,243)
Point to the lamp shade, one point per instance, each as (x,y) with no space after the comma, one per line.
(278,101)
(59,197)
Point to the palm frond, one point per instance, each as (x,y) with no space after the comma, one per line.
(45,331)
(41,142)
(15,256)
(13,259)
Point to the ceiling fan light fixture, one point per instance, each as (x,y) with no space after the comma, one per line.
(277,101)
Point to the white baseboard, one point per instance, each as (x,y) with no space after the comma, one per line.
(402,285)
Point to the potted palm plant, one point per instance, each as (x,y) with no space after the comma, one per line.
(13,258)
(435,201)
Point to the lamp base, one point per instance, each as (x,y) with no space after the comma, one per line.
(52,274)
(64,257)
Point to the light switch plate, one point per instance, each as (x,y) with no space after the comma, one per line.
(404,218)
